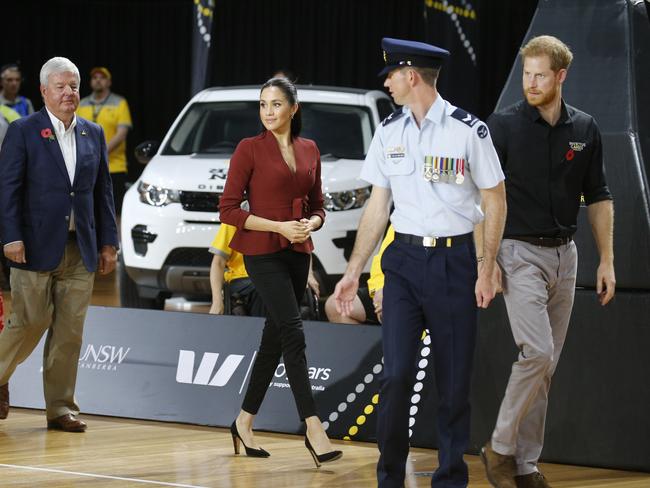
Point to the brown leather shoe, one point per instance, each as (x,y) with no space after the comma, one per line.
(500,469)
(4,401)
(67,423)
(532,480)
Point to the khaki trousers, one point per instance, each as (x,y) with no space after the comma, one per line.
(539,286)
(53,301)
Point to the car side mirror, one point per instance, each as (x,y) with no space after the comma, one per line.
(145,151)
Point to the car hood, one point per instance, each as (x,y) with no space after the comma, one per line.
(208,173)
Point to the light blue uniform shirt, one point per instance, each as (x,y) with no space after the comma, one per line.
(396,158)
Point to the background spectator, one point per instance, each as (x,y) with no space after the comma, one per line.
(366,307)
(11,79)
(111,111)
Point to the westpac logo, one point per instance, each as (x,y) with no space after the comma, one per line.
(206,374)
(105,357)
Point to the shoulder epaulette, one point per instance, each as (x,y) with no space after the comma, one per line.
(393,117)
(465,117)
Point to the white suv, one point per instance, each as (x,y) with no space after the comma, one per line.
(171,214)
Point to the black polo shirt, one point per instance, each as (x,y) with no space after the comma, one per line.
(547,168)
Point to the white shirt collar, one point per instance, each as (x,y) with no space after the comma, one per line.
(58,124)
(434,114)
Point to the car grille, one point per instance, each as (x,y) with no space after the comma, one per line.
(189,256)
(200,201)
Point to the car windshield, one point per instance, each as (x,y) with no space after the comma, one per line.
(340,131)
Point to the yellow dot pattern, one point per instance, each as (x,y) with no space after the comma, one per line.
(468,13)
(205,11)
(361,419)
(370,408)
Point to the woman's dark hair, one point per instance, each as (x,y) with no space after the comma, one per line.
(290,92)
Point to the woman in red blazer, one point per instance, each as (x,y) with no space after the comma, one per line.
(279,174)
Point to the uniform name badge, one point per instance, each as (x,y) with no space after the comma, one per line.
(428,168)
(395,154)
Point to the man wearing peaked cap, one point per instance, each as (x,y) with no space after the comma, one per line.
(399,53)
(439,166)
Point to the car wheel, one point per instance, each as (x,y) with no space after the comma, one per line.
(129,296)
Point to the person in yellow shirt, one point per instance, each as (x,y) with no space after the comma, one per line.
(111,112)
(228,267)
(366,307)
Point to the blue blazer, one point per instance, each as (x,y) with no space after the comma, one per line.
(36,196)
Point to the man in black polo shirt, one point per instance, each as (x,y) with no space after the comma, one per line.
(551,155)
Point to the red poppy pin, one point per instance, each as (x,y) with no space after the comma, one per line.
(570,154)
(47,134)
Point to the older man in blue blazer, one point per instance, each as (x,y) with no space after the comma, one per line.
(57,225)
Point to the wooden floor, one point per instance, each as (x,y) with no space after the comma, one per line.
(120,452)
(125,453)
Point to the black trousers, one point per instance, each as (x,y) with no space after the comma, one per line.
(280,278)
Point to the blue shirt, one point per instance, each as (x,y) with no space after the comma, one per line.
(451,137)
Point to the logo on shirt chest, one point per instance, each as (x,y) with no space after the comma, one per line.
(395,153)
(577,146)
(573,148)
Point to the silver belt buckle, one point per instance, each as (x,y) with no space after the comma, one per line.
(429,241)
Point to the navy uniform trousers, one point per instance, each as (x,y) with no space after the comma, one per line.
(427,288)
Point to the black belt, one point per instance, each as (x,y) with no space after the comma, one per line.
(433,241)
(543,241)
(72,235)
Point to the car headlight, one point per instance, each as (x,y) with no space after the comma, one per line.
(346,200)
(157,196)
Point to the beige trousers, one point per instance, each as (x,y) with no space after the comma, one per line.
(53,301)
(538,288)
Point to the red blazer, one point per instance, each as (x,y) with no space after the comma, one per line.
(258,170)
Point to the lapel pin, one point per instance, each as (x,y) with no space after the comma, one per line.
(83,132)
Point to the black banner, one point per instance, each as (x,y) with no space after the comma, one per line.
(201,42)
(194,368)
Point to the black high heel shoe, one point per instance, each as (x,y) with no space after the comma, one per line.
(236,439)
(322,458)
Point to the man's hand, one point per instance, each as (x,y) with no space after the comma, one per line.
(487,285)
(107,259)
(15,252)
(377,302)
(605,282)
(217,306)
(497,276)
(344,293)
(601,218)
